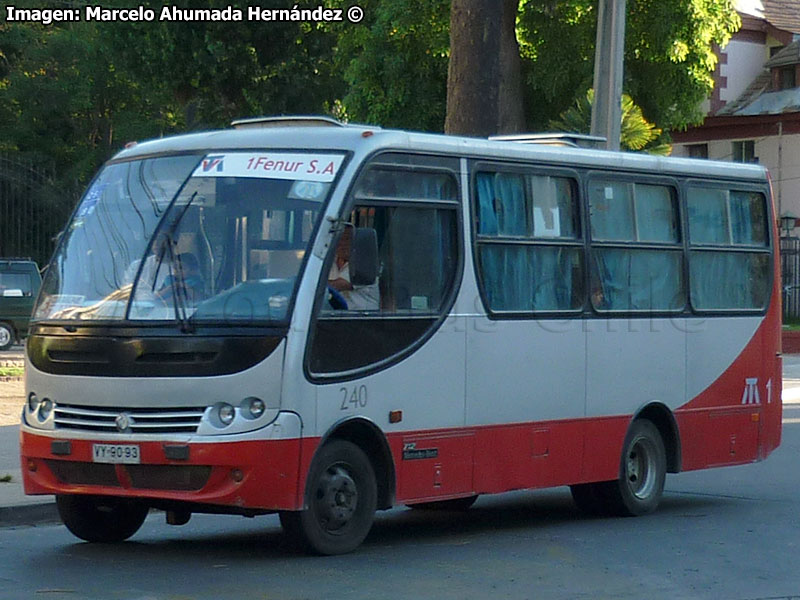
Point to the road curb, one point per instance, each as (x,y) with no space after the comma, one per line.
(28,514)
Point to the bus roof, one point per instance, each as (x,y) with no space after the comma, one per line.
(364,140)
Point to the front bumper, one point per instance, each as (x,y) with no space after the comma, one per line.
(248,474)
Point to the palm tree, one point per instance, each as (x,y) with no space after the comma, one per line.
(637,133)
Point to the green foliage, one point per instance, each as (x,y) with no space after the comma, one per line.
(636,132)
(669,59)
(395,64)
(12,371)
(204,74)
(72,94)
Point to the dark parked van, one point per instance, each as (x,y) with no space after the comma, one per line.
(19,284)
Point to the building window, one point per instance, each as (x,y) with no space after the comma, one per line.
(787,78)
(744,151)
(697,150)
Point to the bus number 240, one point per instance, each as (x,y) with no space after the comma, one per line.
(354,397)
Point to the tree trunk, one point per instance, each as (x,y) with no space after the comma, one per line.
(510,105)
(473,76)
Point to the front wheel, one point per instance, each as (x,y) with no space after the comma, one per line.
(643,469)
(101,519)
(6,336)
(341,498)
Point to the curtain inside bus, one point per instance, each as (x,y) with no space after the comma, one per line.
(737,220)
(519,276)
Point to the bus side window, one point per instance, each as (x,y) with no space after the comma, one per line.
(729,249)
(529,249)
(404,294)
(637,258)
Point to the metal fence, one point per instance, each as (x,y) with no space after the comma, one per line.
(33,209)
(790,277)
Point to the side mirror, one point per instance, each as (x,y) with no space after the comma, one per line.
(364,256)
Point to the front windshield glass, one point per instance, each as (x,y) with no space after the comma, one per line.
(91,275)
(228,249)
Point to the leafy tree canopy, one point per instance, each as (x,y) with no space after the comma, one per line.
(397,62)
(669,58)
(75,92)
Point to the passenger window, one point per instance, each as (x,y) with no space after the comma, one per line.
(628,274)
(729,261)
(637,280)
(392,269)
(611,211)
(625,211)
(529,254)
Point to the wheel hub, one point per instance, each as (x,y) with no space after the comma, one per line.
(5,336)
(337,498)
(640,469)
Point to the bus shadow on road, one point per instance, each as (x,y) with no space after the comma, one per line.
(527,513)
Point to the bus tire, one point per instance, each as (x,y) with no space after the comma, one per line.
(101,519)
(454,504)
(341,498)
(7,336)
(643,468)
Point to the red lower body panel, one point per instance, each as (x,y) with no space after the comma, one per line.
(253,474)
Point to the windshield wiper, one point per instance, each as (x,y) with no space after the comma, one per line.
(180,299)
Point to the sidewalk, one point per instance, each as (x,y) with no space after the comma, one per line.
(15,507)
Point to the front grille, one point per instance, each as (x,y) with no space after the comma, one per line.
(68,471)
(138,420)
(186,478)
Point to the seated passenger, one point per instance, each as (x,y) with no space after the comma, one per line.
(358,297)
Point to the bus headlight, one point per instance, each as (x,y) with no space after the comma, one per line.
(226,413)
(255,407)
(33,402)
(45,406)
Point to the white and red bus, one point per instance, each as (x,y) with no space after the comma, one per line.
(325,320)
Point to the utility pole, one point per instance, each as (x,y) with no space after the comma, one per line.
(608,72)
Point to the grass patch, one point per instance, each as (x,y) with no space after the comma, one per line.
(5,479)
(12,371)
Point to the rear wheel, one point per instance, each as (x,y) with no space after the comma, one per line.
(341,498)
(6,336)
(454,504)
(101,519)
(643,469)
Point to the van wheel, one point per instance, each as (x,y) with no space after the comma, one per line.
(643,468)
(101,519)
(455,504)
(341,498)
(6,336)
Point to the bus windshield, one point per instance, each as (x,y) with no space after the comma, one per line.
(218,239)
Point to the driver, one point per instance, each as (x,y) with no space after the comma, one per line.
(358,297)
(192,280)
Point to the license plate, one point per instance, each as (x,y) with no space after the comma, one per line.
(116,454)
